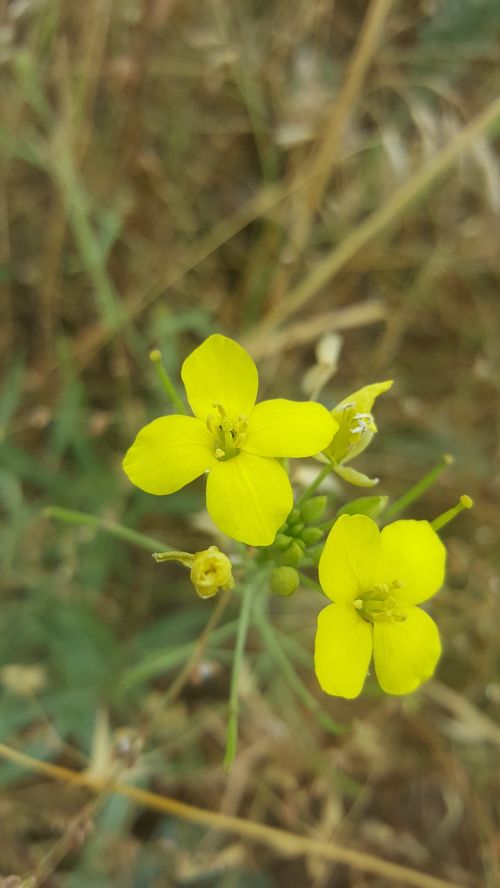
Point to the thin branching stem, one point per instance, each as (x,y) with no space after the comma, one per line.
(248,594)
(414,493)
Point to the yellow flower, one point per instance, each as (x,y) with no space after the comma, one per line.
(376,579)
(233,439)
(355,431)
(211,571)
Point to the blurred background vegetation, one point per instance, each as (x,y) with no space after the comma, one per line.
(276,171)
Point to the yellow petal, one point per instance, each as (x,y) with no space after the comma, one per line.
(168,453)
(413,554)
(220,371)
(350,562)
(406,653)
(249,498)
(289,428)
(364,398)
(343,650)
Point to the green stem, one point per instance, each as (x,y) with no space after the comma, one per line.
(465,502)
(419,488)
(288,669)
(232,724)
(310,583)
(104,524)
(313,486)
(161,372)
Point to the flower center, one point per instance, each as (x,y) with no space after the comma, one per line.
(380,604)
(229,435)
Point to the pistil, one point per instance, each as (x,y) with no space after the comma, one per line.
(229,435)
(379,605)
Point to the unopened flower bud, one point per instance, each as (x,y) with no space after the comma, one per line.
(282,540)
(298,528)
(313,509)
(284,580)
(294,517)
(312,535)
(211,570)
(293,555)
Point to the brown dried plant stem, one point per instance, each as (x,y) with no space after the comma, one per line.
(325,152)
(399,202)
(280,840)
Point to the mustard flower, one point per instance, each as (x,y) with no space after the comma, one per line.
(377,579)
(356,429)
(211,570)
(235,440)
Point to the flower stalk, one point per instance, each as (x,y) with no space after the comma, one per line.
(161,372)
(465,502)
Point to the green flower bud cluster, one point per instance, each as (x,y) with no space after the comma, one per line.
(297,541)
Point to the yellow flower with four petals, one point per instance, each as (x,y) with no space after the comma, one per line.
(235,440)
(377,579)
(355,431)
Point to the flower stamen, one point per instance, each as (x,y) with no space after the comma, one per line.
(229,435)
(379,605)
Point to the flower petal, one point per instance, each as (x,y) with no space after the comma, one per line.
(220,371)
(342,651)
(249,498)
(168,453)
(413,554)
(406,653)
(350,562)
(364,397)
(289,428)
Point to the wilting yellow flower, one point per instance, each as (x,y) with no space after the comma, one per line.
(211,571)
(356,429)
(376,579)
(233,439)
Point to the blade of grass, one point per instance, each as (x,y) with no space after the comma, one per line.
(69,516)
